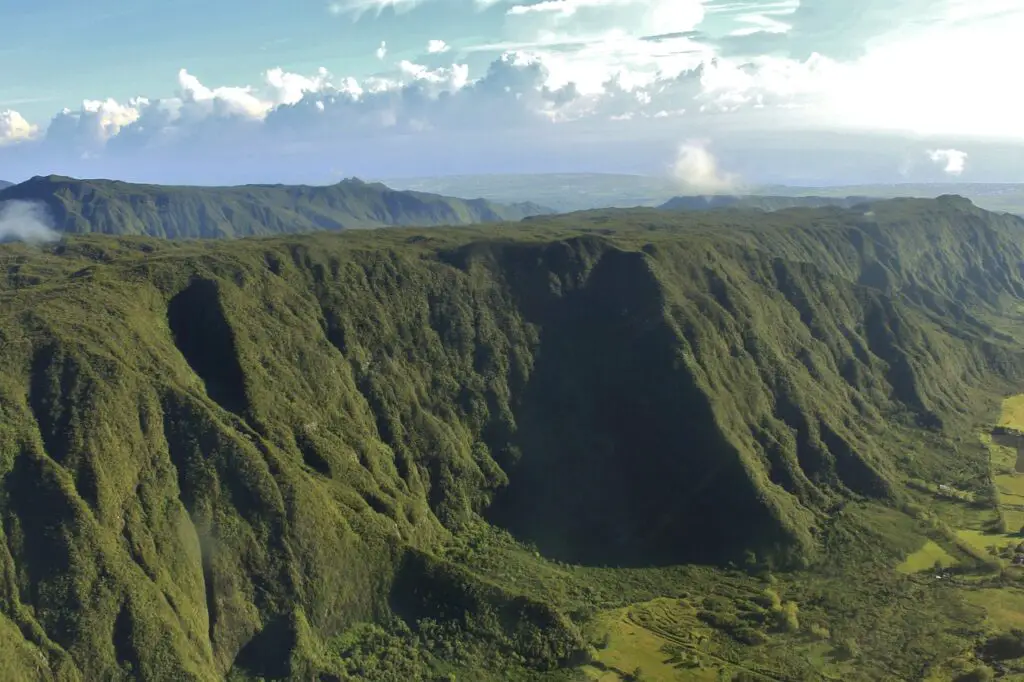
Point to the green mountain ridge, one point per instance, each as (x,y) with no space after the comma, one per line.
(760,202)
(223,458)
(119,208)
(566,192)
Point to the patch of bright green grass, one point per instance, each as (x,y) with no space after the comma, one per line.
(628,646)
(1013,412)
(983,541)
(1009,484)
(925,558)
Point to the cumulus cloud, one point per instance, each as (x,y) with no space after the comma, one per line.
(25,221)
(697,170)
(437,46)
(953,161)
(382,50)
(89,128)
(289,88)
(14,127)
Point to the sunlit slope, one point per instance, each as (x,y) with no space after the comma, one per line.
(120,208)
(217,456)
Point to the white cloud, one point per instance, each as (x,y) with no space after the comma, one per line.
(25,221)
(698,172)
(14,127)
(513,92)
(953,161)
(761,22)
(289,88)
(87,129)
(229,101)
(633,17)
(437,46)
(382,50)
(563,8)
(451,78)
(357,8)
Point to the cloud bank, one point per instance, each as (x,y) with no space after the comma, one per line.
(518,91)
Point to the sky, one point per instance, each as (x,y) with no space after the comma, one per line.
(715,92)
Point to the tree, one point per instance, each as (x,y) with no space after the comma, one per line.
(982,673)
(789,618)
(849,649)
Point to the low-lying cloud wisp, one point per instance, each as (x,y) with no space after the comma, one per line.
(696,169)
(25,221)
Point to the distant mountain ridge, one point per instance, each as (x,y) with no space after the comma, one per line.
(4,184)
(762,203)
(566,192)
(183,212)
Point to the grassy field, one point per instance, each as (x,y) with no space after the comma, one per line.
(926,558)
(628,647)
(1004,607)
(1007,479)
(1013,412)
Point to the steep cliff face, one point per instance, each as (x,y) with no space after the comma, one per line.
(211,454)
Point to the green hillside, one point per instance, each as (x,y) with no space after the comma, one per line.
(762,203)
(700,444)
(119,208)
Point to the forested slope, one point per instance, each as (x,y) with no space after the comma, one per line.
(216,458)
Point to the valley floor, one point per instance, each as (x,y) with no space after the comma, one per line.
(948,594)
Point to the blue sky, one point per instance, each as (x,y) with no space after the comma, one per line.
(312,90)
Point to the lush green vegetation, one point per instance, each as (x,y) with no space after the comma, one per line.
(616,445)
(120,208)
